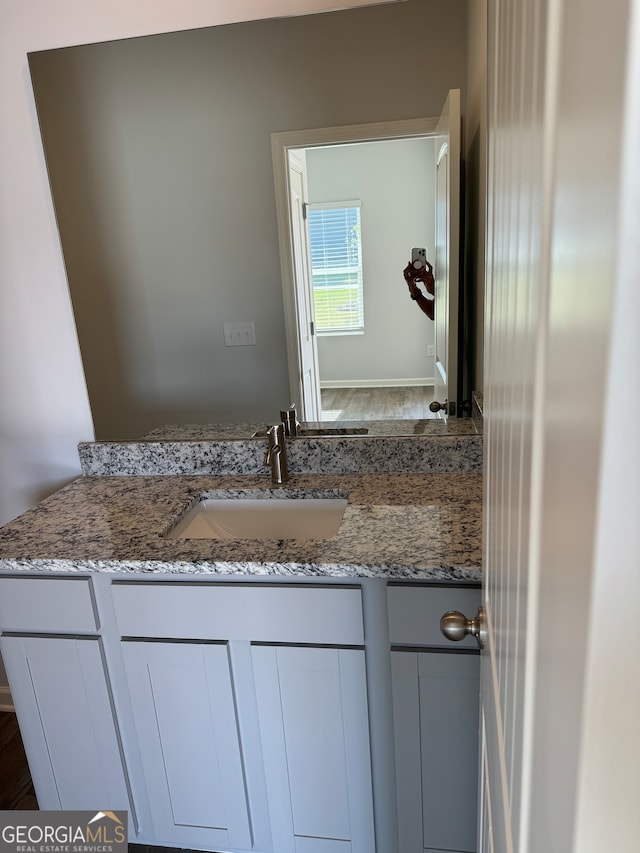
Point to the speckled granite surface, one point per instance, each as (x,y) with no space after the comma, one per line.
(215,432)
(416,526)
(343,455)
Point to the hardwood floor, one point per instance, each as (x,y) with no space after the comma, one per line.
(377,404)
(16,788)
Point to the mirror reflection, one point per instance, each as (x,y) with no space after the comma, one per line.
(159,158)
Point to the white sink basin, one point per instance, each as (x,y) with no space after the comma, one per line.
(265,517)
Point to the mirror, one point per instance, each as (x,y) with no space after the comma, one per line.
(159,158)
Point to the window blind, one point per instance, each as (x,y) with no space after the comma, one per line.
(336,266)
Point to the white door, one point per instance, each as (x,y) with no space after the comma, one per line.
(560,683)
(310,405)
(446,262)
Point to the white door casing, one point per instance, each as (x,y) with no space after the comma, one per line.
(558,675)
(445,128)
(310,406)
(281,144)
(446,263)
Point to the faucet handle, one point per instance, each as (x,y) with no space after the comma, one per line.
(289,418)
(273,446)
(276,455)
(275,436)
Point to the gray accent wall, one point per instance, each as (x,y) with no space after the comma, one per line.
(394,181)
(158,151)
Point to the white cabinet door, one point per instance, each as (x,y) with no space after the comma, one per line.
(185,718)
(435,707)
(59,688)
(312,704)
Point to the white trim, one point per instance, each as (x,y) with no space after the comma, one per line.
(339,334)
(333,205)
(281,143)
(376,383)
(6,702)
(373,132)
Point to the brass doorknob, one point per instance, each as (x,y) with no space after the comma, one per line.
(455,626)
(435,406)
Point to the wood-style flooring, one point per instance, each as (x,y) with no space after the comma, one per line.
(16,788)
(377,404)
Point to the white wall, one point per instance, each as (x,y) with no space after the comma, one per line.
(395,183)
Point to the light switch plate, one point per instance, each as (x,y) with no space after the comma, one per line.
(239,335)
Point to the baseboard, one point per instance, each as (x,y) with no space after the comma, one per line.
(6,702)
(375,383)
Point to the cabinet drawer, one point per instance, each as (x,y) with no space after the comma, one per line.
(272,614)
(46,604)
(415,611)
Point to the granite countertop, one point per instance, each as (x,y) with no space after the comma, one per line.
(328,429)
(420,526)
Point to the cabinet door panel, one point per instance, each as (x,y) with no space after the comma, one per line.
(436,723)
(64,709)
(313,716)
(186,722)
(310,696)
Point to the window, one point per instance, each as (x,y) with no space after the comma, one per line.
(336,266)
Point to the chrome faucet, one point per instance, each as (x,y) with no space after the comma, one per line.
(276,455)
(290,421)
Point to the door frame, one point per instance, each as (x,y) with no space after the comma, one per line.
(281,144)
(310,402)
(447,298)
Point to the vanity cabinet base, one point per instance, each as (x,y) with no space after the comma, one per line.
(250,717)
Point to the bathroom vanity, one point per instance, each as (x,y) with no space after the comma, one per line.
(266,695)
